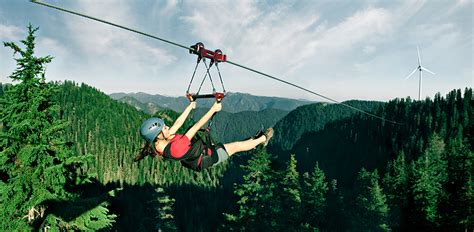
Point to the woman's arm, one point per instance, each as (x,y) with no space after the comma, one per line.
(180,120)
(195,128)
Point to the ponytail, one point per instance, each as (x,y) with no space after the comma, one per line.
(147,150)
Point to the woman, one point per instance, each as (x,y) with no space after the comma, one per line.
(162,141)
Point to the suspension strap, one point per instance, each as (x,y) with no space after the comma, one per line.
(220,77)
(194,73)
(215,57)
(205,75)
(210,78)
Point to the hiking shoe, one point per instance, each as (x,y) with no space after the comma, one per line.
(268,136)
(258,134)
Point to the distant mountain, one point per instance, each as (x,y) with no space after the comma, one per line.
(229,127)
(234,102)
(313,117)
(149,107)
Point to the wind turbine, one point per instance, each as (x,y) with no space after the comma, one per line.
(421,69)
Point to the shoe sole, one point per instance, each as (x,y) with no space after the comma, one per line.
(268,135)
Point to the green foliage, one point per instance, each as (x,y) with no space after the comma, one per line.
(40,172)
(371,210)
(312,118)
(345,146)
(165,219)
(109,129)
(289,197)
(230,127)
(37,164)
(397,187)
(429,177)
(458,210)
(314,195)
(337,217)
(273,200)
(95,218)
(256,208)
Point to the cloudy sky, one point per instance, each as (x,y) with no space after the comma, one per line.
(340,49)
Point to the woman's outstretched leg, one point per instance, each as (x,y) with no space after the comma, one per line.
(249,144)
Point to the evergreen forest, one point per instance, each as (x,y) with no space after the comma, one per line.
(67,164)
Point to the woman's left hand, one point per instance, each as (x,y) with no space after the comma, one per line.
(192,105)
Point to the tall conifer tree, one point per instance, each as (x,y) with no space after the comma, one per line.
(165,218)
(314,194)
(430,176)
(458,210)
(37,166)
(256,209)
(371,210)
(290,196)
(397,189)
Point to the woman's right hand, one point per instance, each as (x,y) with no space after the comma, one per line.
(216,107)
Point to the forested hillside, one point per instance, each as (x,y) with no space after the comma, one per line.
(109,129)
(434,138)
(351,143)
(235,102)
(311,118)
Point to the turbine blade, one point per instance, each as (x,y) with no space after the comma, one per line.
(411,73)
(428,70)
(419,58)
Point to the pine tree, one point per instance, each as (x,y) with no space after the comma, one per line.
(256,209)
(37,165)
(458,210)
(165,219)
(337,218)
(371,210)
(430,176)
(314,194)
(397,190)
(290,197)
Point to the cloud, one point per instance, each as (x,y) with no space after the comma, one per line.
(254,35)
(459,5)
(366,26)
(170,8)
(284,38)
(212,22)
(369,49)
(10,32)
(99,40)
(52,47)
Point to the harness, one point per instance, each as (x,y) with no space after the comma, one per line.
(199,148)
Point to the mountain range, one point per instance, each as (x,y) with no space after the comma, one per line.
(233,102)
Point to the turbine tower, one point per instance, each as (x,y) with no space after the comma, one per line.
(421,69)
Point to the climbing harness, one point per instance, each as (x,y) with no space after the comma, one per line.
(217,57)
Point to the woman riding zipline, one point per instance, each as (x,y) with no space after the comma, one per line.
(162,141)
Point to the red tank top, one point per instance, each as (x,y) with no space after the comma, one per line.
(179,145)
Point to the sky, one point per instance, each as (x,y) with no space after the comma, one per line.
(340,49)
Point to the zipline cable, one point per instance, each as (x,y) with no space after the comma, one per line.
(312,92)
(112,24)
(230,62)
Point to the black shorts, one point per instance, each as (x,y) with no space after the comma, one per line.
(218,155)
